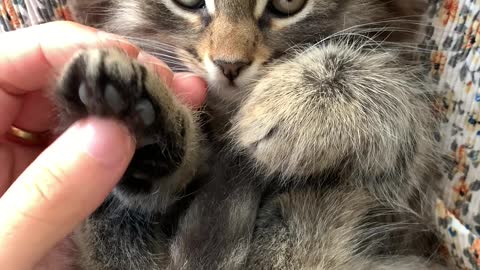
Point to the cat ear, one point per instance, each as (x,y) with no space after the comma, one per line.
(90,12)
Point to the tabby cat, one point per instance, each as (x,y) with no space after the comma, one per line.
(315,149)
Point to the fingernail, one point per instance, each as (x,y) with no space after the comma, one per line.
(105,140)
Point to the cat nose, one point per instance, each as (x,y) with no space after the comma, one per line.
(231,70)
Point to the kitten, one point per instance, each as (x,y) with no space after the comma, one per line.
(315,150)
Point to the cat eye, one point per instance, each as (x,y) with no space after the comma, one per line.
(286,7)
(191,4)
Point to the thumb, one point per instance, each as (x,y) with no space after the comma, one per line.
(65,184)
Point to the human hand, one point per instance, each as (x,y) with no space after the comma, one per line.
(45,193)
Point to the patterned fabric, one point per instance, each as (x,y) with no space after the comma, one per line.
(453,47)
(453,38)
(16,14)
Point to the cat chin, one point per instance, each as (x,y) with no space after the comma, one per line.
(227,92)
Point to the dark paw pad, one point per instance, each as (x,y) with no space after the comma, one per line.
(107,83)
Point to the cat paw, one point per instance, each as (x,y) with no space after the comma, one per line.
(106,83)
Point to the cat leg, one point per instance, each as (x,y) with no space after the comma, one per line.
(342,108)
(298,230)
(107,83)
(399,263)
(334,229)
(351,115)
(216,230)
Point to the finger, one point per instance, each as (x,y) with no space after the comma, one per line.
(6,168)
(33,112)
(10,107)
(31,57)
(190,89)
(14,159)
(37,113)
(159,67)
(60,189)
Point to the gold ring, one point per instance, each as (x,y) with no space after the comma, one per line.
(21,136)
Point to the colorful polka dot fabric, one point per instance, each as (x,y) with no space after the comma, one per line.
(16,14)
(453,43)
(453,46)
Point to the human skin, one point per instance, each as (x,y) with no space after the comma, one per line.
(47,190)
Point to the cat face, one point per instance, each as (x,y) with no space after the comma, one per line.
(231,42)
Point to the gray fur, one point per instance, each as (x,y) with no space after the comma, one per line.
(323,158)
